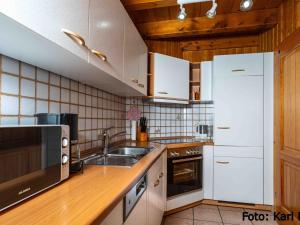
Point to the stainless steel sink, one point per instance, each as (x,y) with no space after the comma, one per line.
(111,160)
(119,156)
(130,151)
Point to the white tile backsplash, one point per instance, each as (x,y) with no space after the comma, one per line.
(41,90)
(54,93)
(9,105)
(65,95)
(27,88)
(41,106)
(27,71)
(27,106)
(9,120)
(42,75)
(54,79)
(54,107)
(10,65)
(9,84)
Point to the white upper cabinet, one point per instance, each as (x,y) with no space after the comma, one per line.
(107,35)
(240,64)
(135,57)
(171,78)
(48,18)
(206,81)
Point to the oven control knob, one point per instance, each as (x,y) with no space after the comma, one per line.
(176,154)
(188,152)
(172,154)
(65,142)
(64,159)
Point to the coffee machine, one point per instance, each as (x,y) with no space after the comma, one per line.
(71,120)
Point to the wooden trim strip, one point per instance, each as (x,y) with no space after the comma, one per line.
(290,43)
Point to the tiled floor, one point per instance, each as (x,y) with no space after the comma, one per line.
(213,215)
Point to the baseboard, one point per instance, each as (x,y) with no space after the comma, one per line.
(221,203)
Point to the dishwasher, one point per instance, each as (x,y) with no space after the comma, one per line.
(135,203)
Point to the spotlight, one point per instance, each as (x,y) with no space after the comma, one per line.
(246,5)
(182,13)
(213,11)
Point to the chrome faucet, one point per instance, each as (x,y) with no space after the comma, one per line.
(106,139)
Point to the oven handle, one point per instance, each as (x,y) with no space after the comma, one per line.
(186,160)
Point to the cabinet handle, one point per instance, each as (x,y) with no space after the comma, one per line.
(156,183)
(221,162)
(161,175)
(74,36)
(141,85)
(162,92)
(99,55)
(239,70)
(135,81)
(224,128)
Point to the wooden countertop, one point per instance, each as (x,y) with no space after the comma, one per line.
(85,198)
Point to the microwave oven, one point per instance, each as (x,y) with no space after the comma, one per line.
(32,159)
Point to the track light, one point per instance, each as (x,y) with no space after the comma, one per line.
(182,13)
(213,11)
(246,5)
(210,13)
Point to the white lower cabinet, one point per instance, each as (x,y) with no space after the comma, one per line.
(238,179)
(138,216)
(156,192)
(208,171)
(115,217)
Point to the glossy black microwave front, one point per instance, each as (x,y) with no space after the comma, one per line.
(32,159)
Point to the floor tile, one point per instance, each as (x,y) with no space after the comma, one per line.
(212,215)
(186,214)
(232,217)
(199,222)
(177,221)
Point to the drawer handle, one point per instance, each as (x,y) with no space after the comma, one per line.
(161,175)
(156,183)
(239,70)
(74,36)
(162,92)
(224,128)
(222,162)
(141,85)
(99,55)
(135,81)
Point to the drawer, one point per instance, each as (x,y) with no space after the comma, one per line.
(240,64)
(228,151)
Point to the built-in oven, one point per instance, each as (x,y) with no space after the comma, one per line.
(32,159)
(185,170)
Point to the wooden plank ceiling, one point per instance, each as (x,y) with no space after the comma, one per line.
(157,19)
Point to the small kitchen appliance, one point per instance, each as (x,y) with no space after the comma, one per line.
(32,159)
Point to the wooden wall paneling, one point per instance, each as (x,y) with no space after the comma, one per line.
(171,48)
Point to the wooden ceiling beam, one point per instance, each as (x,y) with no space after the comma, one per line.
(135,5)
(220,43)
(241,22)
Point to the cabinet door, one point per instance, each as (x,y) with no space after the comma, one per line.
(238,110)
(47,18)
(240,64)
(238,179)
(208,171)
(206,81)
(171,77)
(138,215)
(107,35)
(115,217)
(155,194)
(135,58)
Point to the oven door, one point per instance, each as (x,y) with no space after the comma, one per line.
(184,174)
(30,161)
